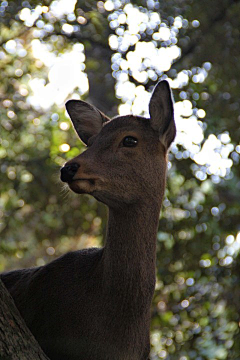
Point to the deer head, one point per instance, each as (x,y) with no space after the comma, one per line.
(125,160)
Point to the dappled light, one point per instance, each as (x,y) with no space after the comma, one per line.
(65,74)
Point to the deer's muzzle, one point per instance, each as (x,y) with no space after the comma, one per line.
(68,171)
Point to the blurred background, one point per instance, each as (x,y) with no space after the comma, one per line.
(111,53)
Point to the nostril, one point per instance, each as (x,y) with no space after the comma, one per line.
(68,172)
(73,168)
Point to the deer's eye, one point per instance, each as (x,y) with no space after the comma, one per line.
(130,141)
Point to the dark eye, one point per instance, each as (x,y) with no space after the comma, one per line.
(130,141)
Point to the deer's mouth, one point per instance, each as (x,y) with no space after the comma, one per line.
(91,181)
(82,185)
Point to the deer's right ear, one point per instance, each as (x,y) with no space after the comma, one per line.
(87,119)
(161,113)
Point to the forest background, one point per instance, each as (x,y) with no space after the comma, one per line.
(111,53)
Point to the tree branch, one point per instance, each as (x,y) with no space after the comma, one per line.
(16,340)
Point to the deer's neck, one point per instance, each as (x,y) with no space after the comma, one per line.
(130,252)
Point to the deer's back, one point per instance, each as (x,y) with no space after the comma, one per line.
(66,309)
(54,301)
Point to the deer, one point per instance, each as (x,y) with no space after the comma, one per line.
(94,304)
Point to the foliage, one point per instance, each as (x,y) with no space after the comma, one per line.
(195,314)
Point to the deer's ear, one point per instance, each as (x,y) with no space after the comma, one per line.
(87,119)
(161,113)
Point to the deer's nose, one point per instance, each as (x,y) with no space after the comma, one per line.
(68,172)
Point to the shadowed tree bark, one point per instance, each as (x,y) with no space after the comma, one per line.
(16,340)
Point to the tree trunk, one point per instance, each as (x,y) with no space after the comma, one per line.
(16,340)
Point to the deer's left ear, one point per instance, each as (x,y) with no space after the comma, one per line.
(161,113)
(87,119)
